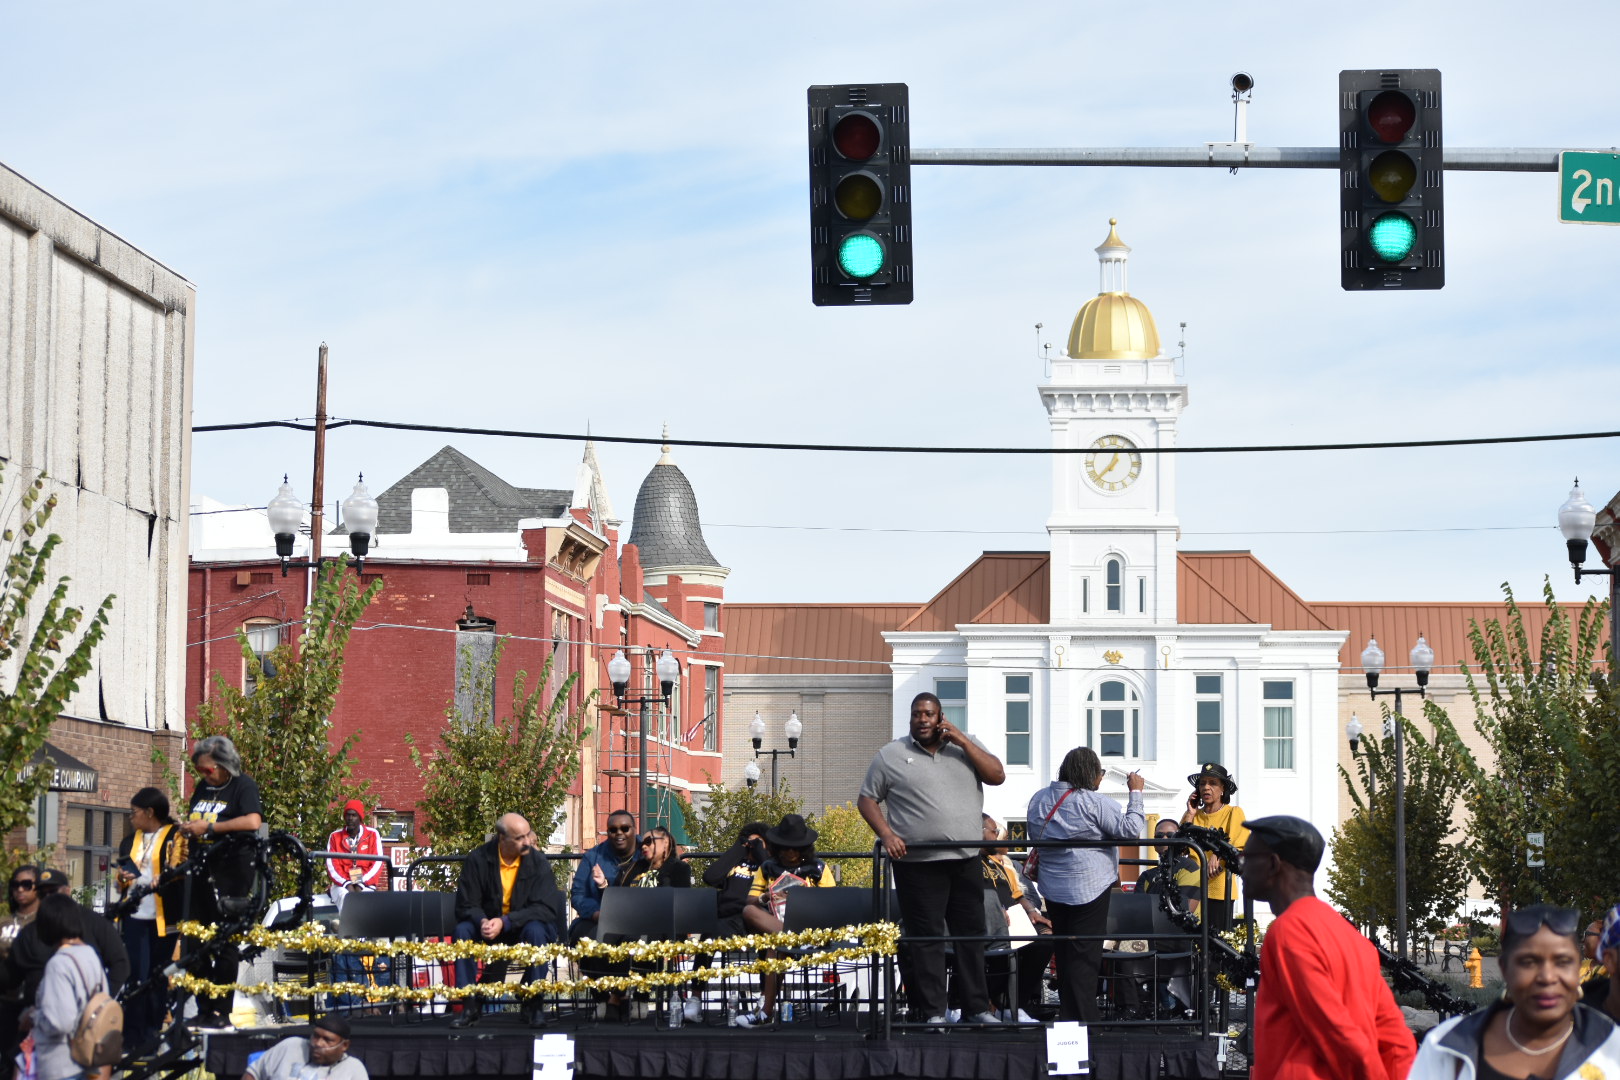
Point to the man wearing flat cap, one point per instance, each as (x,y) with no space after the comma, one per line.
(1210,806)
(1323,1010)
(322,1056)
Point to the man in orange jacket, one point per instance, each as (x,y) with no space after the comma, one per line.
(1323,1010)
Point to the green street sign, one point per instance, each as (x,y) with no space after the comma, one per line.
(1587,183)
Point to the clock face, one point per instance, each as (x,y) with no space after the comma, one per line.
(1113,463)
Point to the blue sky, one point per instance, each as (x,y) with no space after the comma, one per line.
(538,217)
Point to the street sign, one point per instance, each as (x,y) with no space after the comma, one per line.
(1586,187)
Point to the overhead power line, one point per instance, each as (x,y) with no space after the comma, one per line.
(855,448)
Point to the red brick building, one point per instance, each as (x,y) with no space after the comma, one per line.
(461,552)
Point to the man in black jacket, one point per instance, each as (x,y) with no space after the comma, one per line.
(506,895)
(733,874)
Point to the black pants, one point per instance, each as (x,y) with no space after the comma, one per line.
(1078,962)
(143,1012)
(936,897)
(1218,914)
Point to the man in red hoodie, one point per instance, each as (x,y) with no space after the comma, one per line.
(354,838)
(1323,1010)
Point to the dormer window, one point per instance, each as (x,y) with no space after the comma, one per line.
(1114,577)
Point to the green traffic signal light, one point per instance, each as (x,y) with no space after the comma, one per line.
(860,255)
(1392,236)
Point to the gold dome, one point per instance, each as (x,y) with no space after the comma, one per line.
(1113,325)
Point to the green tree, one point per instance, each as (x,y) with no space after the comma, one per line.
(42,676)
(843,829)
(1363,874)
(1555,757)
(283,729)
(487,765)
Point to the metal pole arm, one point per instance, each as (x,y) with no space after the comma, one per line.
(1232,156)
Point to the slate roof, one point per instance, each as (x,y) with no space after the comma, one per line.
(666,527)
(480,501)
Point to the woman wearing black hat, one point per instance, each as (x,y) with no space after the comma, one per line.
(1210,806)
(792,862)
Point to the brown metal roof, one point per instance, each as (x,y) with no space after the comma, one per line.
(1236,587)
(762,633)
(1029,601)
(990,578)
(1446,626)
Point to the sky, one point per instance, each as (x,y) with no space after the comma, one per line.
(551,217)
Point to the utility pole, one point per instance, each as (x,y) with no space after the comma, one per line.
(318,502)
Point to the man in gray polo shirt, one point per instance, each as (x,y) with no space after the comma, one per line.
(931,787)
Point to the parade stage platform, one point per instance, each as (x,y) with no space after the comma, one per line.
(501,1046)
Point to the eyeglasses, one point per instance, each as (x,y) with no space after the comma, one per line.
(1560,920)
(646,840)
(626,829)
(26,884)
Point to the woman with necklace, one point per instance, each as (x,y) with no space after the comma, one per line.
(1540,1030)
(147,927)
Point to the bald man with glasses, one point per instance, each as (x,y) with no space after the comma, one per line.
(507,895)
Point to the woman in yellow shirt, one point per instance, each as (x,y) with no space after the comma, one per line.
(792,863)
(1210,806)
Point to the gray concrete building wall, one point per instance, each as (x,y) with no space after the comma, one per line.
(95,393)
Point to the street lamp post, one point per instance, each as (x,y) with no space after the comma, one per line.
(1353,731)
(667,669)
(756,734)
(286,515)
(1577,521)
(1372,662)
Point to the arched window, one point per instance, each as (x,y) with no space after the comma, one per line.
(1114,575)
(1113,720)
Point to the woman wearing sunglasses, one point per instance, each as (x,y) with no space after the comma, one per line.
(791,862)
(657,863)
(1540,1029)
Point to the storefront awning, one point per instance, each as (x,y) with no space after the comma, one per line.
(68,773)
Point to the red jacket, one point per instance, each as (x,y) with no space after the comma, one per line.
(343,871)
(1323,1010)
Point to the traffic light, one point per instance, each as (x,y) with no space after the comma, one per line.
(860,194)
(1391,167)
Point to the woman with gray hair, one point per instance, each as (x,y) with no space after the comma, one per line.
(225,812)
(1076,881)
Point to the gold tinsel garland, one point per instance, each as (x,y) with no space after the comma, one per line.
(876,939)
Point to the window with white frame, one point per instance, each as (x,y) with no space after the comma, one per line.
(1114,581)
(1278,695)
(1141,594)
(1207,698)
(952,694)
(1085,594)
(264,636)
(1018,706)
(1113,720)
(711,616)
(711,708)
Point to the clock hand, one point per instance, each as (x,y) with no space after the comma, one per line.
(1112,462)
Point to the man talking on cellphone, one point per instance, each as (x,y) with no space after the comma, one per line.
(929,786)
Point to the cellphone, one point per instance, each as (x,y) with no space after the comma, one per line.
(128,866)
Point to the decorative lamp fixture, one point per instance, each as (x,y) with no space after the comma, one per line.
(751,773)
(619,673)
(1372,661)
(1576,520)
(669,669)
(286,516)
(793,729)
(1422,659)
(360,518)
(1353,731)
(756,730)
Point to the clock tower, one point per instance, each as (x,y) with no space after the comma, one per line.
(1111,402)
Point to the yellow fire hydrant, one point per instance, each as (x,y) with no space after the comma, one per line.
(1475,966)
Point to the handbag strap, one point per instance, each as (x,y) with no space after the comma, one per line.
(89,990)
(1047,819)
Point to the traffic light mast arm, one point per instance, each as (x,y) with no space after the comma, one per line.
(1232,155)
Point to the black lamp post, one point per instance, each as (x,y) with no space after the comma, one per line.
(1372,662)
(1577,521)
(668,670)
(756,734)
(286,514)
(1352,731)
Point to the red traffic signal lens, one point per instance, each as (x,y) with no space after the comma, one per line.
(858,197)
(1391,115)
(856,137)
(1391,175)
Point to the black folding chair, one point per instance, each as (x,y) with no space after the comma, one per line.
(810,908)
(415,916)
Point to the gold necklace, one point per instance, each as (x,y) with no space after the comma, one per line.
(1507,1029)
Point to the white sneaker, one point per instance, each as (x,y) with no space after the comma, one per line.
(984,1018)
(751,1018)
(1025,1018)
(693,1011)
(952,1016)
